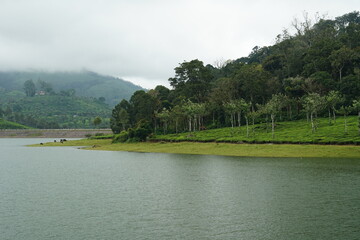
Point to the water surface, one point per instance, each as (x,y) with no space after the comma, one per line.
(67,193)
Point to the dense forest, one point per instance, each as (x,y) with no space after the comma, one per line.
(311,73)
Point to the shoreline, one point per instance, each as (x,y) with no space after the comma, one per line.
(223,149)
(51,133)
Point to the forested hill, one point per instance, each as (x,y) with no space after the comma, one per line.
(85,83)
(315,71)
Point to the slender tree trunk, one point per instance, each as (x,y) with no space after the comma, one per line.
(239,118)
(176,125)
(267,123)
(234,119)
(199,123)
(190,120)
(359,121)
(273,125)
(329,116)
(312,123)
(247,126)
(334,116)
(345,124)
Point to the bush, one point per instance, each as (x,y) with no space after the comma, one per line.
(121,137)
(141,133)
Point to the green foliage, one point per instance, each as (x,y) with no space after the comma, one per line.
(55,111)
(102,136)
(29,88)
(139,134)
(313,72)
(287,132)
(84,83)
(121,137)
(11,125)
(97,121)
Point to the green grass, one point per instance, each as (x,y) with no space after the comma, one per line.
(221,141)
(12,125)
(224,149)
(285,132)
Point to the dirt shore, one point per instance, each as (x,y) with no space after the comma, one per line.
(50,133)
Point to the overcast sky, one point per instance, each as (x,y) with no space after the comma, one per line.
(143,40)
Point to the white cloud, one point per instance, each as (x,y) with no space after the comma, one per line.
(142,40)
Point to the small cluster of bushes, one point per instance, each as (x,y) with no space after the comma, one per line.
(138,134)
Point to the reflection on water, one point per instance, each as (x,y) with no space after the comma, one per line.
(66,193)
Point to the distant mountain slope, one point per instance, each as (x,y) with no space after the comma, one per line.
(11,125)
(61,111)
(85,83)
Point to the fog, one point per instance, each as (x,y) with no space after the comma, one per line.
(143,41)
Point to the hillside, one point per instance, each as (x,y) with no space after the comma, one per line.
(286,132)
(85,83)
(11,125)
(56,111)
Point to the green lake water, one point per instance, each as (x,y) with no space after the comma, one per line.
(67,193)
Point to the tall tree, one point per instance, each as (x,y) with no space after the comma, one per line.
(273,107)
(29,88)
(313,103)
(192,80)
(332,99)
(97,121)
(339,58)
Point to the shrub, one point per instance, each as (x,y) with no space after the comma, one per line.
(141,133)
(121,137)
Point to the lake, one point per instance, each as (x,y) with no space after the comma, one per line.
(67,193)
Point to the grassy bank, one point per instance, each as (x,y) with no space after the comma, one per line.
(225,149)
(285,132)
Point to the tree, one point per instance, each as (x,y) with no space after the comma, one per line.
(273,107)
(332,99)
(253,82)
(97,121)
(164,117)
(239,103)
(175,114)
(45,86)
(246,110)
(356,107)
(192,80)
(120,117)
(29,88)
(143,106)
(312,104)
(230,108)
(345,110)
(339,58)
(123,118)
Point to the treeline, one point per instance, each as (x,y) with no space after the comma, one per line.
(314,72)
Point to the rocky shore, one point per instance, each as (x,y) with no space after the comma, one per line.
(50,133)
